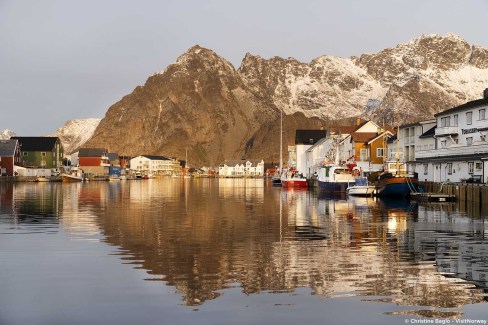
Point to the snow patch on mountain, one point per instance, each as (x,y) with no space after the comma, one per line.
(7,134)
(75,133)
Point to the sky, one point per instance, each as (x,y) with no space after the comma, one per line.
(71,59)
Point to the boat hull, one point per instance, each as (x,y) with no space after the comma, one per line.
(361,190)
(71,178)
(396,187)
(334,187)
(294,183)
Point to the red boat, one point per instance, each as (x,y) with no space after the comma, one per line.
(291,179)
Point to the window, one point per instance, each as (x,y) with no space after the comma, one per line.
(380,152)
(469,118)
(43,154)
(478,166)
(470,167)
(482,113)
(449,168)
(456,119)
(364,154)
(426,169)
(444,143)
(469,140)
(25,153)
(445,121)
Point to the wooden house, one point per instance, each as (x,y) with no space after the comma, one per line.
(9,156)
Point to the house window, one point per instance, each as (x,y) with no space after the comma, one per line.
(470,167)
(25,153)
(469,118)
(380,152)
(444,143)
(449,168)
(43,154)
(426,168)
(456,119)
(478,166)
(469,140)
(482,114)
(363,154)
(445,121)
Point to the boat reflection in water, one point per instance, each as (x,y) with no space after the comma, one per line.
(204,236)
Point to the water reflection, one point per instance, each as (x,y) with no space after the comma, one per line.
(202,236)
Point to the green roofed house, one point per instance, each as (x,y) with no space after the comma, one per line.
(40,152)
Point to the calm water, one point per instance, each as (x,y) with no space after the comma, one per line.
(206,251)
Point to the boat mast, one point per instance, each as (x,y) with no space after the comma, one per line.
(281,140)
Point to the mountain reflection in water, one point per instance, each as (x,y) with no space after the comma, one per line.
(204,235)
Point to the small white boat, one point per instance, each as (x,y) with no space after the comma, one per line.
(42,179)
(361,188)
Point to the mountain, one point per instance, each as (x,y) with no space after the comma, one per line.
(203,104)
(75,133)
(7,134)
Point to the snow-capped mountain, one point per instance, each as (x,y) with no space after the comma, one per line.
(203,104)
(75,133)
(7,134)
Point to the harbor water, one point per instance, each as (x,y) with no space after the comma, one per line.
(234,251)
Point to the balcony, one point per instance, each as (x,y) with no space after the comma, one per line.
(454,151)
(446,131)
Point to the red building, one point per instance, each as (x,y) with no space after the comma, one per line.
(9,156)
(94,161)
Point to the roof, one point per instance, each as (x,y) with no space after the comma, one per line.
(156,157)
(309,136)
(92,152)
(235,162)
(429,133)
(471,104)
(386,134)
(342,129)
(112,156)
(363,136)
(37,143)
(7,147)
(392,139)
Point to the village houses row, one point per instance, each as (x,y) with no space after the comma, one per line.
(452,147)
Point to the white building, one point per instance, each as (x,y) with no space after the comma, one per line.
(242,168)
(154,165)
(297,156)
(460,150)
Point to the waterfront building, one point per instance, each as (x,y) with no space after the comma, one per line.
(460,152)
(304,140)
(40,152)
(152,165)
(93,161)
(242,168)
(9,156)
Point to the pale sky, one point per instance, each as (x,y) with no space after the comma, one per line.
(67,59)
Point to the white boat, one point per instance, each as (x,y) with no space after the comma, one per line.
(42,179)
(361,188)
(71,178)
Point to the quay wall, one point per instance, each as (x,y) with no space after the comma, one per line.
(469,197)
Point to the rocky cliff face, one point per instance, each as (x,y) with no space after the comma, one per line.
(201,103)
(6,134)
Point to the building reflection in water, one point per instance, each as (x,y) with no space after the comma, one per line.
(203,236)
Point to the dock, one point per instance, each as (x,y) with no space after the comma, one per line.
(433,197)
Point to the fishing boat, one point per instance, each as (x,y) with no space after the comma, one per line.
(396,181)
(361,188)
(335,179)
(291,179)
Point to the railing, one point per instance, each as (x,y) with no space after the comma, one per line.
(446,130)
(455,151)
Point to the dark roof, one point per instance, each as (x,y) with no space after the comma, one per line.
(471,104)
(156,157)
(429,133)
(342,129)
(112,156)
(37,143)
(92,152)
(309,136)
(392,139)
(363,136)
(7,147)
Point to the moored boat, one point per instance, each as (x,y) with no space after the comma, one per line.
(361,188)
(395,181)
(42,179)
(291,179)
(335,179)
(71,178)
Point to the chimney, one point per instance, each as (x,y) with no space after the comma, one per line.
(485,93)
